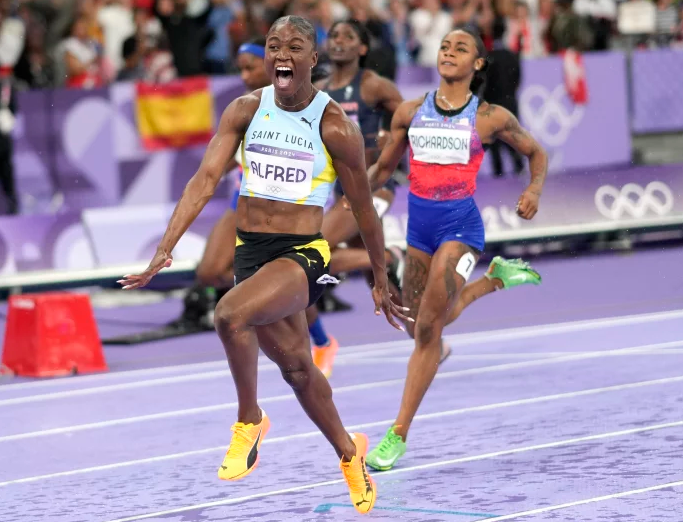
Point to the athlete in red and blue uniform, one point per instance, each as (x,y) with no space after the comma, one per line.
(445,132)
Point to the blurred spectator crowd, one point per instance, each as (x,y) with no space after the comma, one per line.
(89,43)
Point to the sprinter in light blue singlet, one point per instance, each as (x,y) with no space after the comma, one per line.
(283,155)
(295,143)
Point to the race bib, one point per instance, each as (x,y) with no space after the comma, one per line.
(281,173)
(440,142)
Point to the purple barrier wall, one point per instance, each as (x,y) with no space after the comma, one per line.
(88,144)
(575,203)
(89,148)
(657,80)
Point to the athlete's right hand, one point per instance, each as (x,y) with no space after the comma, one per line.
(383,303)
(160,260)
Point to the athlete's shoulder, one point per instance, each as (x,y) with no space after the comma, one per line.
(407,110)
(336,127)
(493,115)
(242,109)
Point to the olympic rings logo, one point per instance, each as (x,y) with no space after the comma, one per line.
(634,201)
(273,189)
(546,114)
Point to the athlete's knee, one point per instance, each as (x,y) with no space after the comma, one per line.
(297,372)
(229,318)
(209,274)
(427,329)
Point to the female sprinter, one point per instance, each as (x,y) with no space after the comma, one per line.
(366,98)
(215,268)
(446,131)
(296,141)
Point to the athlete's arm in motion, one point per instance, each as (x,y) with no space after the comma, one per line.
(344,142)
(505,127)
(396,145)
(198,191)
(388,98)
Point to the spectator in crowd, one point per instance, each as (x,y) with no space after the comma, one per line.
(82,56)
(430,23)
(401,32)
(567,30)
(503,78)
(157,56)
(381,56)
(132,61)
(12,33)
(523,33)
(188,34)
(34,69)
(600,16)
(666,23)
(219,51)
(117,23)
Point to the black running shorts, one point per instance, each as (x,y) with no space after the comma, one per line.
(311,252)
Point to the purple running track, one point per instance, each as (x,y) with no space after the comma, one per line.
(533,417)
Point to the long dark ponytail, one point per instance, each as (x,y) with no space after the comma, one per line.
(478,82)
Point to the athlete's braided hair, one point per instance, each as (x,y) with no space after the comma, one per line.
(303,26)
(479,79)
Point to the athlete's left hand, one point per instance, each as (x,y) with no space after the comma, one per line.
(159,261)
(383,303)
(527,206)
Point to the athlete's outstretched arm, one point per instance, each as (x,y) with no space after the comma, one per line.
(344,143)
(396,145)
(507,128)
(201,187)
(388,95)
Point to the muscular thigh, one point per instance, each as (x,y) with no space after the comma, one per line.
(277,290)
(452,264)
(286,342)
(415,276)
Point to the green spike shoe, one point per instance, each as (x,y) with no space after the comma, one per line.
(512,272)
(385,455)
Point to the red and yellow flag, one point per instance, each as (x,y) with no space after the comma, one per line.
(176,114)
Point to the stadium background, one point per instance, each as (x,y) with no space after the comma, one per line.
(574,380)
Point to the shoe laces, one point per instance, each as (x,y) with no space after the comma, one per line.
(353,474)
(388,441)
(241,440)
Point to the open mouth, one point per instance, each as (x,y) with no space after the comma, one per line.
(283,76)
(448,63)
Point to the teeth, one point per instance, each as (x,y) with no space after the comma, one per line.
(283,68)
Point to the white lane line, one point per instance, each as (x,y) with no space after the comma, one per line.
(341,389)
(500,356)
(437,464)
(469,338)
(586,501)
(423,416)
(192,377)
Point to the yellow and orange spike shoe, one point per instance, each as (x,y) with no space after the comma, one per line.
(362,488)
(242,456)
(323,356)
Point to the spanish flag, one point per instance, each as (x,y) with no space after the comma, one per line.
(175,114)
